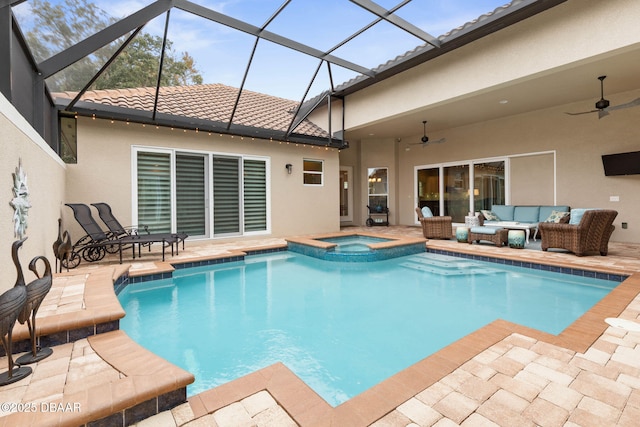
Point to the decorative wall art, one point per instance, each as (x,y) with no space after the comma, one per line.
(20,201)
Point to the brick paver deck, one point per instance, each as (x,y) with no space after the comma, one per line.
(503,374)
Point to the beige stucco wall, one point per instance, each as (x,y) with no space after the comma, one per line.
(103,173)
(45,176)
(578,142)
(547,43)
(573,32)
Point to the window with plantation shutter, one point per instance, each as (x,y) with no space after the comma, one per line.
(255,195)
(202,194)
(226,195)
(154,191)
(190,194)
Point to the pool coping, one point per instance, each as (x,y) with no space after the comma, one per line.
(101,312)
(392,241)
(392,247)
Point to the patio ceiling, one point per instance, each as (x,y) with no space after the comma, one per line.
(307,50)
(570,85)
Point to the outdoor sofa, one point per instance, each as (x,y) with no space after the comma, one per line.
(531,215)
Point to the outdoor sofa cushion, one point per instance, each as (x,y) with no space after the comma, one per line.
(426,212)
(484,230)
(490,216)
(577,214)
(557,217)
(525,214)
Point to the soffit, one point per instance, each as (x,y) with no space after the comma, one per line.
(576,84)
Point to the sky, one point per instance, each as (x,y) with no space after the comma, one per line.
(222,54)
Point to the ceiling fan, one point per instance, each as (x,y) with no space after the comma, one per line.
(602,105)
(425,139)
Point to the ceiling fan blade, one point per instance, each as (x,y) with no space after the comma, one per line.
(634,103)
(603,113)
(583,112)
(429,142)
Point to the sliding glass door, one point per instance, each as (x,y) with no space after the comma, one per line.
(191,194)
(255,195)
(429,189)
(456,192)
(154,191)
(456,189)
(489,185)
(226,195)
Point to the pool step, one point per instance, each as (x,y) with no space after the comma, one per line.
(447,266)
(444,261)
(449,272)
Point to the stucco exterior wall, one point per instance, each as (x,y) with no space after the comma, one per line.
(45,176)
(578,141)
(569,33)
(104,173)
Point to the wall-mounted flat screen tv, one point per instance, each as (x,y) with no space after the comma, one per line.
(621,163)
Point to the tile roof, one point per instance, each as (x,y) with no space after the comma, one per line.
(207,102)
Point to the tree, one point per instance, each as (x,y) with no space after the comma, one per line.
(58,27)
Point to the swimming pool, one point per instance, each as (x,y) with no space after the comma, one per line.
(341,327)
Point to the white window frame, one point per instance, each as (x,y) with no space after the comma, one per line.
(306,172)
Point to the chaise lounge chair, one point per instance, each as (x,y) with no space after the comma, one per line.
(435,227)
(117,230)
(591,234)
(96,243)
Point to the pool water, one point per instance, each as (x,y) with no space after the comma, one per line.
(354,243)
(341,327)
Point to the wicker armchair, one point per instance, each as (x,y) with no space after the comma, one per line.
(435,227)
(590,235)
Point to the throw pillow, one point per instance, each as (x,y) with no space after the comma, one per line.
(426,212)
(490,216)
(576,215)
(556,216)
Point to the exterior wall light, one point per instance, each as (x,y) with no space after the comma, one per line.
(289,167)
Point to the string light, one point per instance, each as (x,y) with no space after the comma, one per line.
(197,130)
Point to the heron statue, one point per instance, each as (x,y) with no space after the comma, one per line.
(36,291)
(11,304)
(62,247)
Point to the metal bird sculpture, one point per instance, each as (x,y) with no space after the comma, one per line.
(62,248)
(36,291)
(11,304)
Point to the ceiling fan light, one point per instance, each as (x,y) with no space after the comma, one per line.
(602,104)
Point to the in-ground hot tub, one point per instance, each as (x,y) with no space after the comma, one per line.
(356,247)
